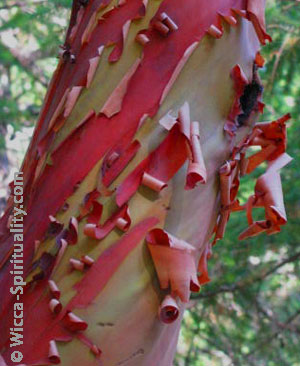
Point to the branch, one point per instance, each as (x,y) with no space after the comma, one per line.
(278,56)
(281,327)
(285,28)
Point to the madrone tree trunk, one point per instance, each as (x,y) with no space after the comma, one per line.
(130,178)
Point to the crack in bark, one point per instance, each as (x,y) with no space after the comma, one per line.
(139,352)
(108,324)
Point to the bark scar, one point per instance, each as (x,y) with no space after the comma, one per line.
(139,352)
(249,98)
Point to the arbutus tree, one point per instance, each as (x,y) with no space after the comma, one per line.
(131,176)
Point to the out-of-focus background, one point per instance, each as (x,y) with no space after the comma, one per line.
(249,315)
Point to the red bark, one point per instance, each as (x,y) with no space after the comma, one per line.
(112,178)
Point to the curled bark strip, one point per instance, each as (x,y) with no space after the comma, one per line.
(272,138)
(142,39)
(161,28)
(256,14)
(174,263)
(268,190)
(184,120)
(259,157)
(113,104)
(168,22)
(123,223)
(171,24)
(241,12)
(221,224)
(71,234)
(275,130)
(225,182)
(196,169)
(87,260)
(214,31)
(152,182)
(229,184)
(74,323)
(267,194)
(54,289)
(99,232)
(112,158)
(76,264)
(168,311)
(55,306)
(164,238)
(62,244)
(203,276)
(53,354)
(255,229)
(162,164)
(230,19)
(195,174)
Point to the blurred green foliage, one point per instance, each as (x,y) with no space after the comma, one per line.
(30,32)
(249,315)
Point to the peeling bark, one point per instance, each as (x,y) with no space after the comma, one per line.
(132,174)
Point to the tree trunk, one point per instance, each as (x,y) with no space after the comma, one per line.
(118,171)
